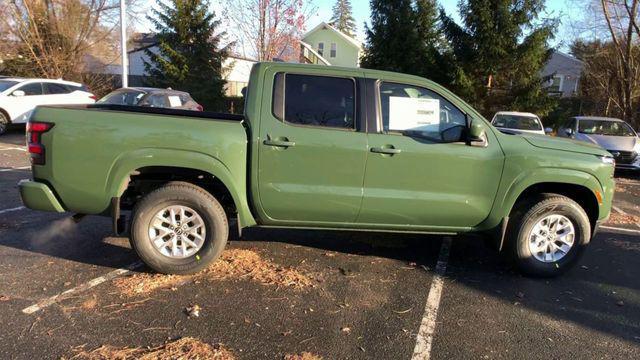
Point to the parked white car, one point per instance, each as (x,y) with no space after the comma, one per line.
(518,122)
(18,97)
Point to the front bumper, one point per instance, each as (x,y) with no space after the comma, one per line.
(38,196)
(634,166)
(627,161)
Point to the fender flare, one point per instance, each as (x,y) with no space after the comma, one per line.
(510,192)
(128,162)
(497,224)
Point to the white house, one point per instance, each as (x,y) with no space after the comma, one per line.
(236,69)
(326,45)
(565,71)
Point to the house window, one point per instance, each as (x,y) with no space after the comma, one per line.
(234,88)
(334,49)
(556,84)
(321,49)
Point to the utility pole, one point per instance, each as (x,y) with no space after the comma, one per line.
(123,43)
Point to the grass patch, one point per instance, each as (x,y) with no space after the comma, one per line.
(185,349)
(302,356)
(234,263)
(617,219)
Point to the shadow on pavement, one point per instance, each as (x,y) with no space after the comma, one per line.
(59,237)
(601,292)
(417,248)
(14,135)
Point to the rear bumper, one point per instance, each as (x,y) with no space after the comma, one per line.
(38,196)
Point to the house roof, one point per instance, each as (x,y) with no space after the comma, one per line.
(324,25)
(563,64)
(150,40)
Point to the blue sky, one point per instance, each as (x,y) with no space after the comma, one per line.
(361,12)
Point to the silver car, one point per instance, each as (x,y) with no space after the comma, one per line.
(614,135)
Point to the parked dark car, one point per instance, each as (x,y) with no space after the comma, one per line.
(151,97)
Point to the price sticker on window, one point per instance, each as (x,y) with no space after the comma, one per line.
(413,113)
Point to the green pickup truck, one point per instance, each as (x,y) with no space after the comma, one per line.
(319,148)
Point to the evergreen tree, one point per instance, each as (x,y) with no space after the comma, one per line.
(342,17)
(405,37)
(498,54)
(189,57)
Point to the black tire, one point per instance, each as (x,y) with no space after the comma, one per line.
(4,122)
(194,197)
(526,215)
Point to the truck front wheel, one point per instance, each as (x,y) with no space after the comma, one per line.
(547,235)
(179,229)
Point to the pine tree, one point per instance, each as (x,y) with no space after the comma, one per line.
(343,18)
(405,38)
(498,54)
(189,57)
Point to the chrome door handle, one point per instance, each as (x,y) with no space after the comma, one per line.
(388,151)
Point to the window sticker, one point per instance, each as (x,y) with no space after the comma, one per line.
(414,114)
(174,101)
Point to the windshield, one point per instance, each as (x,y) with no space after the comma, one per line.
(604,127)
(518,122)
(5,84)
(122,97)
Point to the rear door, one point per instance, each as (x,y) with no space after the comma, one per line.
(312,147)
(57,94)
(420,172)
(22,106)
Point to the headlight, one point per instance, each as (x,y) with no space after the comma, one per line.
(607,160)
(636,149)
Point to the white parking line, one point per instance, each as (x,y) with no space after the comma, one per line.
(80,288)
(15,168)
(12,209)
(14,148)
(620,229)
(617,209)
(422,350)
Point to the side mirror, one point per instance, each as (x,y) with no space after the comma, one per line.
(477,135)
(18,93)
(548,130)
(569,132)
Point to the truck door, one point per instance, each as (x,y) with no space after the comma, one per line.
(312,149)
(420,172)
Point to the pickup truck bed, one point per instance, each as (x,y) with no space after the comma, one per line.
(130,139)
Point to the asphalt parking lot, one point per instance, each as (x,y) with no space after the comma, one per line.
(68,289)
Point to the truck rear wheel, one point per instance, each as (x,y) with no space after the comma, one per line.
(547,235)
(179,229)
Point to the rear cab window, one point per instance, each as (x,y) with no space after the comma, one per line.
(312,100)
(416,111)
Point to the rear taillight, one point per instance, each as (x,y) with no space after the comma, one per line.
(93,97)
(199,107)
(34,141)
